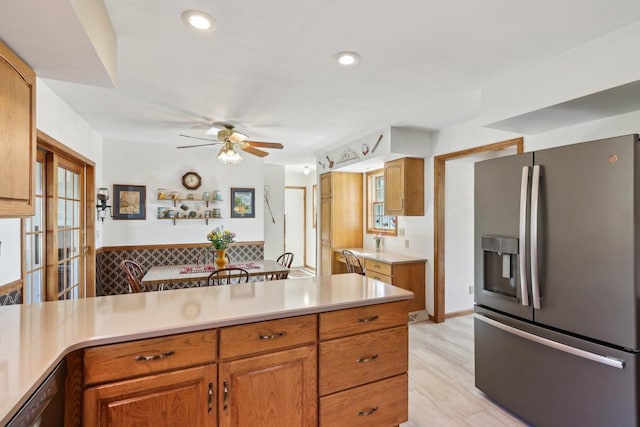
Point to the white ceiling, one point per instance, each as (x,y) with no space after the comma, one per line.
(269,67)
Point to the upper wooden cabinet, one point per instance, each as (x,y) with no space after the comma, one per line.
(404,187)
(17,135)
(325,185)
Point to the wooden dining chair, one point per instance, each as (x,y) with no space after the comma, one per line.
(228,276)
(134,273)
(353,262)
(286,259)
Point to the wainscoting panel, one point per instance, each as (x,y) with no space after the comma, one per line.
(111,280)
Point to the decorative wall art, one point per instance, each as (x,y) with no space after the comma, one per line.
(243,203)
(129,201)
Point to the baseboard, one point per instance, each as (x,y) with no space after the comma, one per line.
(458,313)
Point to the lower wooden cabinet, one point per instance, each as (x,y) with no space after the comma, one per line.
(379,404)
(186,397)
(272,390)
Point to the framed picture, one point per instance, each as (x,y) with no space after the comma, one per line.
(243,203)
(129,201)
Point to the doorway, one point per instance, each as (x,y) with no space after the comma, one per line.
(58,241)
(439,171)
(295,224)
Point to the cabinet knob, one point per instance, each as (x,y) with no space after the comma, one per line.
(272,336)
(367,359)
(367,413)
(155,356)
(368,319)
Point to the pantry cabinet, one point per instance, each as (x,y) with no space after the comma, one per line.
(340,215)
(17,135)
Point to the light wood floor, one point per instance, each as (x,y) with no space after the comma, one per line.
(441,384)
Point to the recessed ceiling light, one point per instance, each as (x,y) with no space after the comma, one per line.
(199,20)
(347,58)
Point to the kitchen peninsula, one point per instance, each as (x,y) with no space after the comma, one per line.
(339,343)
(400,270)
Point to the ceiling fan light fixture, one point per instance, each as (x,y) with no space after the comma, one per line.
(199,20)
(347,58)
(228,155)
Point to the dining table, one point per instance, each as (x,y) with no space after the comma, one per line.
(168,274)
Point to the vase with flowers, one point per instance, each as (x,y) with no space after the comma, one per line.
(220,239)
(378,239)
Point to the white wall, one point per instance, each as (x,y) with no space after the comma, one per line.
(162,166)
(57,119)
(295,178)
(274,178)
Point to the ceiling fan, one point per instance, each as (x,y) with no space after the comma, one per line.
(232,141)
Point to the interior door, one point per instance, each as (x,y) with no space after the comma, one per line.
(295,224)
(499,261)
(586,245)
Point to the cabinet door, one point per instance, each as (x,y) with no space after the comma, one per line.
(325,185)
(326,260)
(272,390)
(17,135)
(180,398)
(394,187)
(325,221)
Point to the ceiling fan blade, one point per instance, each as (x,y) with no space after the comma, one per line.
(264,144)
(254,151)
(197,137)
(198,145)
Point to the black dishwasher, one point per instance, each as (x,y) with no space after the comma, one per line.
(45,407)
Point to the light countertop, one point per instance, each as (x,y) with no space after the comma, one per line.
(35,337)
(382,256)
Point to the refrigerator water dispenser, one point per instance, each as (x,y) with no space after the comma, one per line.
(500,264)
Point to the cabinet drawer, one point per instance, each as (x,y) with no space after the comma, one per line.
(383,403)
(360,359)
(357,320)
(378,276)
(266,336)
(377,266)
(131,359)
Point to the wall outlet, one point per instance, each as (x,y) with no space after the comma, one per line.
(470,290)
(400,232)
(406,244)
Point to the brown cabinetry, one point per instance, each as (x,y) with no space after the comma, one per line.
(404,187)
(363,361)
(277,384)
(268,373)
(408,275)
(274,389)
(17,135)
(152,382)
(340,214)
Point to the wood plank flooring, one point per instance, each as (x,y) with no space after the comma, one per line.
(441,381)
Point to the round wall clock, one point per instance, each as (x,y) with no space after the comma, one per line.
(191,180)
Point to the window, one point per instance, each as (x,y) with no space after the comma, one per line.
(377,221)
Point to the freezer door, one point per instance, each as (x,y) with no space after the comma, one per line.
(586,246)
(501,199)
(551,379)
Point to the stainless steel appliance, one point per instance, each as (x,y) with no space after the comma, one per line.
(45,407)
(557,283)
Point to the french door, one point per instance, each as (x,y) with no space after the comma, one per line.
(55,238)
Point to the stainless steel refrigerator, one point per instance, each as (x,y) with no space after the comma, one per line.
(557,322)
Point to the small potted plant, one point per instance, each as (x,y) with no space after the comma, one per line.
(378,239)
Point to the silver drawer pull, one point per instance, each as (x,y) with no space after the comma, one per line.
(272,336)
(369,319)
(367,413)
(155,356)
(367,359)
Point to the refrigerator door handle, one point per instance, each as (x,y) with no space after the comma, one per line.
(522,242)
(535,210)
(605,360)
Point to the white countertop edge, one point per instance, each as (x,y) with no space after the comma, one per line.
(10,405)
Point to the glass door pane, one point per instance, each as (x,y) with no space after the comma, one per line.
(35,245)
(69,226)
